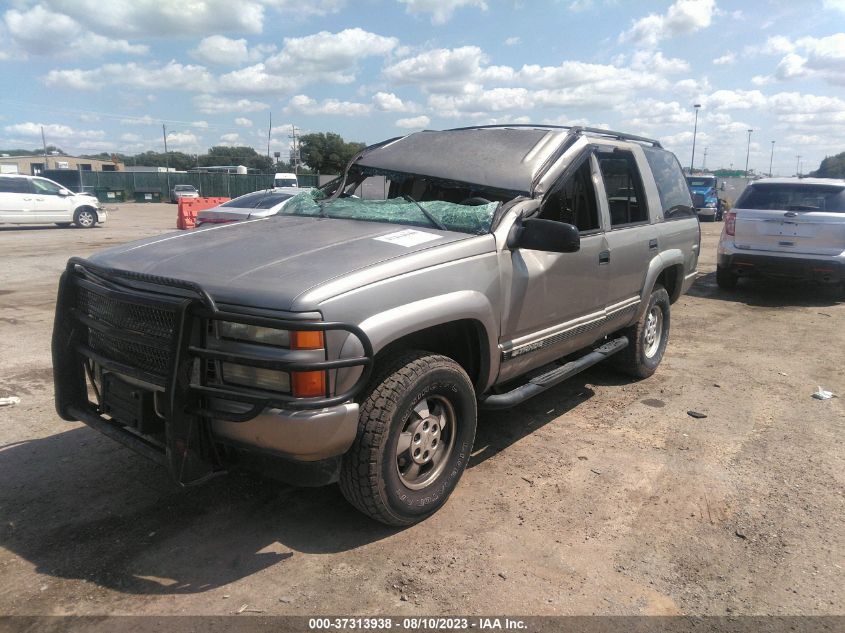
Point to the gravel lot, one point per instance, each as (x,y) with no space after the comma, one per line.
(601,496)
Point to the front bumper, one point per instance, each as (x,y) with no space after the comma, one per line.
(783,265)
(137,343)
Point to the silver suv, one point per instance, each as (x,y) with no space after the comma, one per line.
(353,339)
(785,227)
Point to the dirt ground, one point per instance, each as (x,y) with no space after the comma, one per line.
(601,496)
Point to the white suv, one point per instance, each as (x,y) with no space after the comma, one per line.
(785,227)
(35,200)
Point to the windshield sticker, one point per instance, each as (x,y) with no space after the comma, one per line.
(408,237)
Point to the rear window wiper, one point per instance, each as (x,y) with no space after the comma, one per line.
(437,223)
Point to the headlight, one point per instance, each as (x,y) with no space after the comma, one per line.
(711,205)
(255,377)
(253,334)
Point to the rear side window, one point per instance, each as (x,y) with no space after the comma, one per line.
(15,185)
(257,200)
(793,197)
(624,188)
(671,184)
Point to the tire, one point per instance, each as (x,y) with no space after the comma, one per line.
(85,218)
(725,279)
(425,402)
(647,338)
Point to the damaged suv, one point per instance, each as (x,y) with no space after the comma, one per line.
(354,339)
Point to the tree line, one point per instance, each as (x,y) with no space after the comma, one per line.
(320,152)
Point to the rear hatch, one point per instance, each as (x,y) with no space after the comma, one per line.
(794,217)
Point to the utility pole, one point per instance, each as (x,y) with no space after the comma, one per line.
(704,164)
(295,154)
(44,143)
(771,158)
(694,132)
(269,132)
(747,152)
(798,165)
(166,159)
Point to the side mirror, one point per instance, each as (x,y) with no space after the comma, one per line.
(64,192)
(698,200)
(545,235)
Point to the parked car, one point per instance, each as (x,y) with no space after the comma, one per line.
(785,227)
(35,200)
(705,197)
(258,204)
(285,180)
(183,191)
(354,340)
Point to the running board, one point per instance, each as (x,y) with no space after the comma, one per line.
(541,383)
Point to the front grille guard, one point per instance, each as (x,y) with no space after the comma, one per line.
(189,446)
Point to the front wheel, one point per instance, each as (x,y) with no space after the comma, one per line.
(647,338)
(85,218)
(415,434)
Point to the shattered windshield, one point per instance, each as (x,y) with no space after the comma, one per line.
(453,217)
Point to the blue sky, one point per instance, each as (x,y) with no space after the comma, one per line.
(104,75)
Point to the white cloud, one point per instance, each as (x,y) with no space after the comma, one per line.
(139,120)
(441,65)
(256,80)
(389,102)
(170,76)
(40,31)
(183,140)
(734,100)
(208,104)
(417,122)
(682,18)
(303,104)
(131,138)
(441,10)
(153,18)
(200,125)
(221,50)
(231,139)
(653,113)
(657,63)
(243,122)
(53,131)
(727,59)
(333,56)
(513,41)
(304,9)
(834,5)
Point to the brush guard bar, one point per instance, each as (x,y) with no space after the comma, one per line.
(153,329)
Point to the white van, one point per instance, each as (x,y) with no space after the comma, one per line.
(35,200)
(285,180)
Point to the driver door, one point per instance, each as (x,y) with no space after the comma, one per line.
(555,303)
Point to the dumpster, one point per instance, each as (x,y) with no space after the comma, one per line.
(104,194)
(147,195)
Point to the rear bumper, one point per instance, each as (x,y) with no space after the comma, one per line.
(706,212)
(789,266)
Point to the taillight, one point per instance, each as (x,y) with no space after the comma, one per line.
(730,223)
(307,384)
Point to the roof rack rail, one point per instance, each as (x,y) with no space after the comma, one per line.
(573,129)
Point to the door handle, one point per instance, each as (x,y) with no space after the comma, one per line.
(604,257)
(27,199)
(652,245)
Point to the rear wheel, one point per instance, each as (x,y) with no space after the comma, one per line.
(725,279)
(85,218)
(647,338)
(415,434)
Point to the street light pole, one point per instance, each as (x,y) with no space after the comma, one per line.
(797,165)
(747,152)
(694,132)
(771,158)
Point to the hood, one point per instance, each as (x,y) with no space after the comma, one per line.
(268,262)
